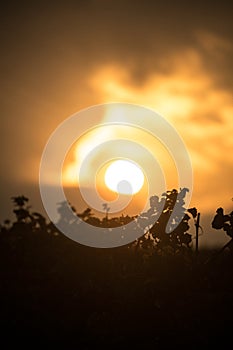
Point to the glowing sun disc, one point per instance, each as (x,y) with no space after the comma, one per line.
(124,176)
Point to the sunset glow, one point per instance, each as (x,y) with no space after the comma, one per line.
(177,62)
(123,176)
(193,101)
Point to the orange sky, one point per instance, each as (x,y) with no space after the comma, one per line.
(201,111)
(62,57)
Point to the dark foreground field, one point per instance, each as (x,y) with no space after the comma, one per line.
(55,292)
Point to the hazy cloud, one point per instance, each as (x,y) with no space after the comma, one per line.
(59,57)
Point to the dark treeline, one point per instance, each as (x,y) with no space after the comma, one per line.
(154,237)
(154,293)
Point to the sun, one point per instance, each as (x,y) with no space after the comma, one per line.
(124,176)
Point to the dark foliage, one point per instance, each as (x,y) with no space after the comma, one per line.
(151,294)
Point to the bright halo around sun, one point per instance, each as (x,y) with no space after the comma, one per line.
(124,176)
